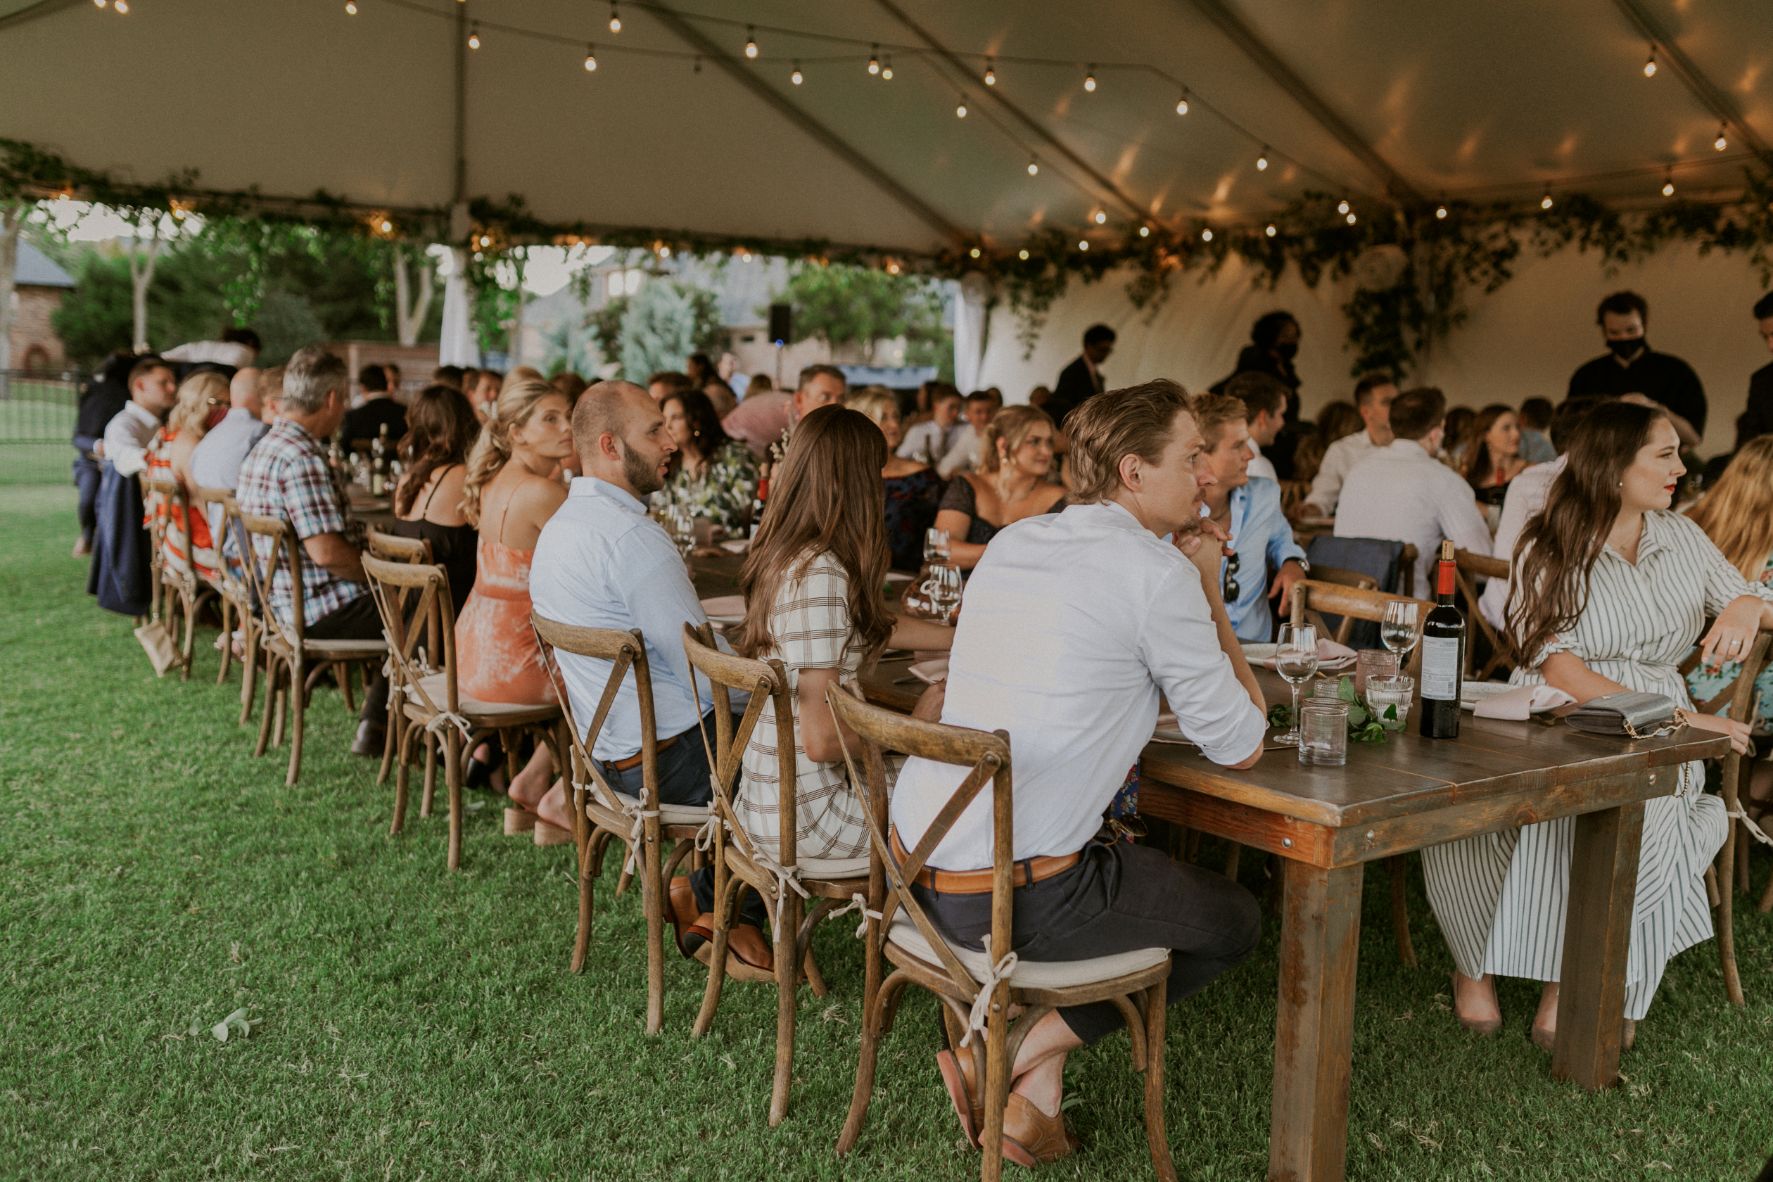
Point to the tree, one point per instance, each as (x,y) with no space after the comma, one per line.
(859,306)
(664,324)
(13,211)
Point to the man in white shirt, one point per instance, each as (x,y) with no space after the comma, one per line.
(1402,493)
(216,461)
(1265,398)
(969,438)
(1373,396)
(152,392)
(927,442)
(602,562)
(1527,494)
(1074,624)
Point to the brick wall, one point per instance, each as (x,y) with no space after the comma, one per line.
(34,343)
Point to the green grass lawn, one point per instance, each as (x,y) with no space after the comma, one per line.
(410,1024)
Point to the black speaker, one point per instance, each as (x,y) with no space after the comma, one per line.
(781,324)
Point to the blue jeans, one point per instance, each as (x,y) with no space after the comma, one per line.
(684,778)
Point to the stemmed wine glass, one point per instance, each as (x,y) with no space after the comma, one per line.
(942,590)
(1397,631)
(935,546)
(1295,659)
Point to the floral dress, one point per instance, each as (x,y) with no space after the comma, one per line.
(1705,684)
(722,492)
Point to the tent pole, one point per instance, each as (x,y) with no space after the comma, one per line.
(461,123)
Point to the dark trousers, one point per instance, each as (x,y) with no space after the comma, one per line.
(86,480)
(685,778)
(1118,898)
(358,620)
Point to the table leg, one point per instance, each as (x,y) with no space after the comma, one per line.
(1314,1031)
(1597,930)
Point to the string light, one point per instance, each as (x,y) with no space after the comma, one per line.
(1270,230)
(1668,184)
(750,44)
(1722,141)
(474,37)
(1650,62)
(1440,211)
(960,108)
(121,7)
(1023,255)
(1083,244)
(1090,79)
(797,77)
(1182,104)
(1206,235)
(1545,201)
(974,253)
(1351,218)
(1099,216)
(990,73)
(350,7)
(1033,166)
(100,3)
(886,70)
(1342,206)
(874,60)
(1262,160)
(615,19)
(590,58)
(1144,231)
(892,267)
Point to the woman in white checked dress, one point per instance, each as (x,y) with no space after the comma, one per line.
(814,599)
(1609,593)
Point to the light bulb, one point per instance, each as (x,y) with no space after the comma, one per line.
(1351,219)
(1083,244)
(351,7)
(990,74)
(1100,217)
(1144,231)
(615,20)
(974,253)
(750,44)
(101,3)
(385,226)
(1668,187)
(886,70)
(1545,201)
(121,7)
(797,77)
(874,60)
(590,58)
(892,267)
(1440,212)
(960,109)
(1650,64)
(1262,160)
(474,39)
(1033,167)
(1023,255)
(1182,105)
(1722,141)
(1090,80)
(1270,230)
(1206,235)
(1342,206)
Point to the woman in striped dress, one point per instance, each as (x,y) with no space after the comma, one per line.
(1610,591)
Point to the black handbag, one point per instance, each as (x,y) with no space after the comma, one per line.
(1630,714)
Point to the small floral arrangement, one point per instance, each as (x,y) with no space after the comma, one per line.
(1363,725)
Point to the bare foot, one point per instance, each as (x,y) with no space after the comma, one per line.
(1039,1070)
(553,807)
(532,782)
(82,548)
(1475,1004)
(1545,1022)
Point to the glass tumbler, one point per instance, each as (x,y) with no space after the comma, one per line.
(1371,663)
(1384,692)
(1323,732)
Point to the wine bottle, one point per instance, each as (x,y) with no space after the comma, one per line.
(1443,656)
(378,465)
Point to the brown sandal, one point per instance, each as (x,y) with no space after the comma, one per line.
(1031,1137)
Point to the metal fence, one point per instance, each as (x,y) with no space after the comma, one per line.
(36,426)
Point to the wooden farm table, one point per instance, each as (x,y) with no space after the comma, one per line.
(1326,823)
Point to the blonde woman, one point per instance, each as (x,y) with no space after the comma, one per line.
(508,494)
(1737,515)
(1014,481)
(912,488)
(201,403)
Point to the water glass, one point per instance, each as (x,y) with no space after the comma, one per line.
(1386,692)
(1371,663)
(935,546)
(941,590)
(1295,659)
(1397,631)
(1323,732)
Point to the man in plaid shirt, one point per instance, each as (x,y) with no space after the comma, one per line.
(286,475)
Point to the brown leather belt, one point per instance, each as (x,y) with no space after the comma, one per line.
(978,882)
(633,761)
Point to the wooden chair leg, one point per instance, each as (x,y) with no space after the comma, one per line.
(865,1062)
(221,677)
(1766,903)
(1726,920)
(652,903)
(400,776)
(1155,1136)
(786,933)
(726,889)
(587,884)
(289,685)
(188,646)
(1740,835)
(1400,908)
(997,1089)
(389,744)
(452,776)
(249,673)
(298,708)
(1232,861)
(430,792)
(270,698)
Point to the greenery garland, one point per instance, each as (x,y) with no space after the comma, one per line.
(1415,270)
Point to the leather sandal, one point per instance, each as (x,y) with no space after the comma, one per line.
(1031,1137)
(957,1077)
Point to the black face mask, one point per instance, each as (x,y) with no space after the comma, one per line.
(1626,347)
(1287,351)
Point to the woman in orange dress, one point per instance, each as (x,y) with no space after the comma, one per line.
(509,494)
(202,401)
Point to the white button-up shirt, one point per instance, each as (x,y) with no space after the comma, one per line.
(1402,493)
(1526,495)
(127,436)
(1073,624)
(927,442)
(1340,459)
(1261,465)
(601,562)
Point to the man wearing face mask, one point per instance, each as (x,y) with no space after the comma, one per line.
(1631,366)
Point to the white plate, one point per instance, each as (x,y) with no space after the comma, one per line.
(725,609)
(931,671)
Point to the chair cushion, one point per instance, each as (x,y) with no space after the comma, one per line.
(496,713)
(1031,974)
(344,649)
(670,814)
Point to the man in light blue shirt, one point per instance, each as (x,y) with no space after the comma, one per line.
(1249,509)
(219,454)
(601,562)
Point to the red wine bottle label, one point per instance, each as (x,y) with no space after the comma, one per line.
(1440,668)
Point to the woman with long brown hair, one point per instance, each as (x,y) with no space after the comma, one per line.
(440,427)
(1493,457)
(1609,591)
(1014,481)
(813,587)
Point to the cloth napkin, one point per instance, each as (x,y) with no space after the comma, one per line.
(1521,702)
(1328,653)
(931,671)
(736,545)
(724,608)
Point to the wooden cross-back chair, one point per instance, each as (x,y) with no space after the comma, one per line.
(1735,700)
(233,590)
(801,890)
(398,548)
(603,814)
(1311,601)
(181,593)
(977,990)
(292,661)
(414,602)
(1468,568)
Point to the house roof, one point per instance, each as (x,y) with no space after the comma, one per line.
(36,269)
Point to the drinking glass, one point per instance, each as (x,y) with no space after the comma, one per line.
(1295,659)
(1371,663)
(942,590)
(1383,692)
(1323,732)
(935,546)
(1397,631)
(682,525)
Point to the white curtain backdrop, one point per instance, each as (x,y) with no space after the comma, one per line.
(458,346)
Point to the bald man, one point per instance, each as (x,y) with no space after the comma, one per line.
(601,562)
